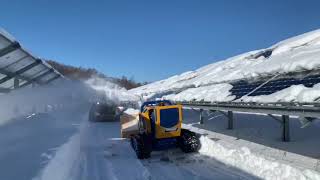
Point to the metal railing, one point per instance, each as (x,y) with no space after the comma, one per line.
(308,111)
(290,109)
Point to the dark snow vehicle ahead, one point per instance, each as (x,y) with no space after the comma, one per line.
(104,112)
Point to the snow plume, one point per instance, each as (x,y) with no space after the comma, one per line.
(27,101)
(110,91)
(256,165)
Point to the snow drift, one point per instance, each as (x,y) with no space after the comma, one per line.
(295,54)
(259,166)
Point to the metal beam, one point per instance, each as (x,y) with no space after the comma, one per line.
(228,115)
(292,110)
(275,118)
(201,116)
(20,71)
(306,121)
(2,71)
(223,113)
(26,68)
(37,78)
(285,128)
(16,83)
(10,48)
(15,62)
(230,120)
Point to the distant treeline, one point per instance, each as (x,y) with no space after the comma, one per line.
(80,73)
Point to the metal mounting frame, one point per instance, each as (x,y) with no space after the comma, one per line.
(310,110)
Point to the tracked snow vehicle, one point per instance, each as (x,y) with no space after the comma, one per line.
(160,129)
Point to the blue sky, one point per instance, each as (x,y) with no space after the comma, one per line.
(151,40)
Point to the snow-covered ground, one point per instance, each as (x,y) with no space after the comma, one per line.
(211,82)
(29,143)
(255,145)
(103,155)
(96,151)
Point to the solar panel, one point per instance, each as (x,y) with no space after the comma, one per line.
(16,62)
(258,88)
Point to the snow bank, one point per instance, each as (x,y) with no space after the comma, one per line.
(65,162)
(294,54)
(243,159)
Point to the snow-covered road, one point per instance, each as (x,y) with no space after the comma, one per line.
(106,156)
(65,146)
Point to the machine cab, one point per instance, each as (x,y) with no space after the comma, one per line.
(162,118)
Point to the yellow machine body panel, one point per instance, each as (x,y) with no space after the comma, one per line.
(163,121)
(174,131)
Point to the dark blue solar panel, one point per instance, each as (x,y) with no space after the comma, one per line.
(242,87)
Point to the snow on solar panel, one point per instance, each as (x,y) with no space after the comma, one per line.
(258,88)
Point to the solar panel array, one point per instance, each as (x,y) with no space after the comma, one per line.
(258,88)
(19,68)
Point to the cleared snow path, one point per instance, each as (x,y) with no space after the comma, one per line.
(103,155)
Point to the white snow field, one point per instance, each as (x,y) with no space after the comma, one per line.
(211,82)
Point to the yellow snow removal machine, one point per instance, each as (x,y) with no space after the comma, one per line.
(159,127)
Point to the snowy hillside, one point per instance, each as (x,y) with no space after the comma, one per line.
(212,82)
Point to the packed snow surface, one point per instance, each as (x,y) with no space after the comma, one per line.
(295,54)
(97,153)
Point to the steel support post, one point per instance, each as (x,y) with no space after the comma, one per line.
(16,84)
(230,120)
(285,128)
(201,116)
